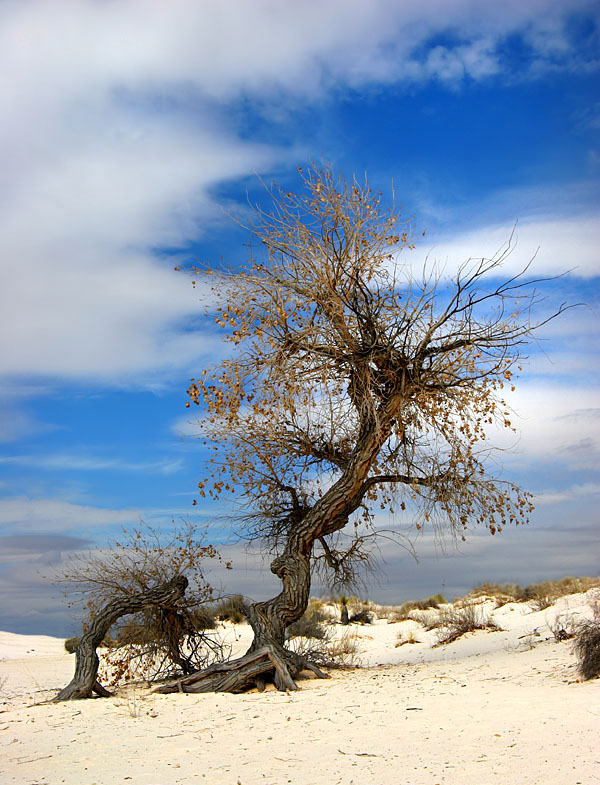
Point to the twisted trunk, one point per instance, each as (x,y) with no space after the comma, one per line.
(85,681)
(267,658)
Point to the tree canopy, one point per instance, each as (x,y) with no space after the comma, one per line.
(356,375)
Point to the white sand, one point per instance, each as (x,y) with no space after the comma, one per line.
(493,707)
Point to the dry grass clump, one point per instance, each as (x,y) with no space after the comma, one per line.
(404,638)
(455,622)
(407,608)
(501,593)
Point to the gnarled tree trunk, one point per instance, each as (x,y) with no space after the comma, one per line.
(85,681)
(267,658)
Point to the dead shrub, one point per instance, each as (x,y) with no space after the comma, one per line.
(564,627)
(329,652)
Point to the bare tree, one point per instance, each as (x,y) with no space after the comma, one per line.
(355,385)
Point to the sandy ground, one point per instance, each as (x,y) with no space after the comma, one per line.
(493,707)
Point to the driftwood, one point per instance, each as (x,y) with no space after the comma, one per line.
(241,674)
(85,681)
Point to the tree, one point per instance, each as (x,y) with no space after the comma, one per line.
(355,385)
(136,591)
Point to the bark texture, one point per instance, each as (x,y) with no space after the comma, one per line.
(85,681)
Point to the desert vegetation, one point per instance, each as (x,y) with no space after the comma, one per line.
(354,385)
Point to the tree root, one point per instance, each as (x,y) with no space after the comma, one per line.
(246,672)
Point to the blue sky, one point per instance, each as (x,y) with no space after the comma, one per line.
(132,128)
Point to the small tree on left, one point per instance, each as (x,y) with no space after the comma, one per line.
(149,594)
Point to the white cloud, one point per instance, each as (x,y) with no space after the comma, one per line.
(116,129)
(556,244)
(557,423)
(572,493)
(23,515)
(67,462)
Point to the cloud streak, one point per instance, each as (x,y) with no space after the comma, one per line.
(66,462)
(23,515)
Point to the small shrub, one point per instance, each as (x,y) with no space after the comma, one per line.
(564,627)
(232,609)
(436,600)
(309,625)
(71,644)
(202,619)
(362,616)
(457,622)
(587,649)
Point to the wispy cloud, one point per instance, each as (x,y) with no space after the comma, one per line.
(551,497)
(555,245)
(23,515)
(67,462)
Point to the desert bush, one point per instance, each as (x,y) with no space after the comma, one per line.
(309,625)
(587,649)
(455,622)
(362,616)
(233,609)
(329,652)
(564,627)
(71,644)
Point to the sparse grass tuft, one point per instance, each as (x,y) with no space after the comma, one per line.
(404,638)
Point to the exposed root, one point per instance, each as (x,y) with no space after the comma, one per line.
(254,669)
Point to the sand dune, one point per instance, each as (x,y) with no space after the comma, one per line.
(492,707)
